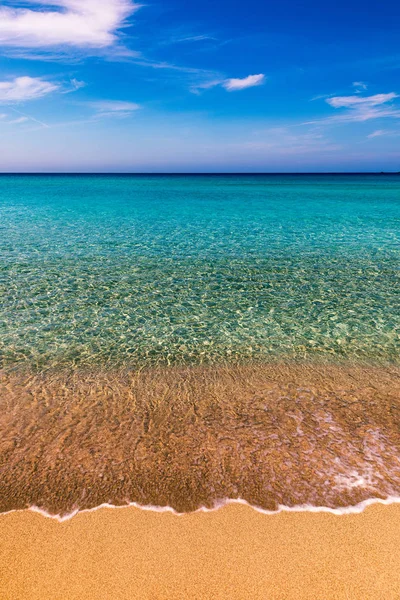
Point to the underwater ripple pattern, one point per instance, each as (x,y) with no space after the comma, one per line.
(189,437)
(148,270)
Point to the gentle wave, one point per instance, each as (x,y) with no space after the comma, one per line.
(347,510)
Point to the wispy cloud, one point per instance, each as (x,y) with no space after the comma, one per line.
(25,88)
(321,97)
(77,84)
(377,133)
(350,101)
(230,85)
(7,119)
(284,140)
(187,39)
(18,121)
(383,132)
(206,84)
(114,108)
(167,66)
(360,85)
(78,23)
(71,86)
(233,85)
(361,108)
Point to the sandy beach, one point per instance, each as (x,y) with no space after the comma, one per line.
(235,553)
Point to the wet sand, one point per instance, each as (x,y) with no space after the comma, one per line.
(273,434)
(231,554)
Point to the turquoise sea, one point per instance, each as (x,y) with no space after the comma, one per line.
(140,270)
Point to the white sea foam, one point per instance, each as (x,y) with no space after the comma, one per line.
(342,511)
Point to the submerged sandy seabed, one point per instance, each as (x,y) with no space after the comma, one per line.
(232,554)
(273,435)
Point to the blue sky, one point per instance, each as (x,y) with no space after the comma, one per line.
(207,85)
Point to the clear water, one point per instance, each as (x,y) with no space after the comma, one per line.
(139,270)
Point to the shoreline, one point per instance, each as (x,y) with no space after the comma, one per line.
(272,435)
(233,553)
(356,509)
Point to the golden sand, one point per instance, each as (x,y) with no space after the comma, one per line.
(277,434)
(232,554)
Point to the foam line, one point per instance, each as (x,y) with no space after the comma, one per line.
(347,510)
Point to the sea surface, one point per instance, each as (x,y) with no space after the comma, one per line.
(144,270)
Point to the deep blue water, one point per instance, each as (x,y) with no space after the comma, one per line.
(164,269)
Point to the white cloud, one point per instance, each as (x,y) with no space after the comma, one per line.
(360,85)
(73,85)
(206,85)
(358,109)
(18,121)
(363,108)
(114,108)
(79,23)
(382,132)
(377,133)
(233,85)
(77,85)
(25,88)
(349,101)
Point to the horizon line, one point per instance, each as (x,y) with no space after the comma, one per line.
(191,173)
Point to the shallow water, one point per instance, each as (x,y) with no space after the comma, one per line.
(273,435)
(143,270)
